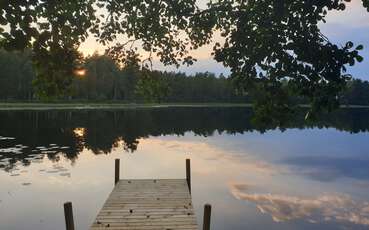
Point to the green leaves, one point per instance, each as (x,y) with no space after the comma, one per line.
(349,45)
(264,43)
(359,58)
(53,76)
(273,41)
(151,87)
(53,30)
(366,4)
(360,47)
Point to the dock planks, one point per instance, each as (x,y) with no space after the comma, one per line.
(148,204)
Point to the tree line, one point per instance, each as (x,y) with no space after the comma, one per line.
(102,79)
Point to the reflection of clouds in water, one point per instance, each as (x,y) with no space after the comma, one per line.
(362,184)
(327,207)
(238,162)
(174,146)
(65,174)
(53,170)
(323,168)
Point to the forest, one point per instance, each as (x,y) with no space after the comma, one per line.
(101,80)
(105,81)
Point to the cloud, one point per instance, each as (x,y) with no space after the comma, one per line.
(323,208)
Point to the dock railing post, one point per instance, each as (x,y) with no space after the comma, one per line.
(116,178)
(207,215)
(188,174)
(68,213)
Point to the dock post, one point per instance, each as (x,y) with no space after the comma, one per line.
(207,215)
(117,164)
(68,213)
(188,174)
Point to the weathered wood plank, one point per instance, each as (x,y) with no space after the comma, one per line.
(148,204)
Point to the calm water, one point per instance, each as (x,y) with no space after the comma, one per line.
(301,176)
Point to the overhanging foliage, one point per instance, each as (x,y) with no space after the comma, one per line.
(266,43)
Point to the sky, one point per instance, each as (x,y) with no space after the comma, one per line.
(342,26)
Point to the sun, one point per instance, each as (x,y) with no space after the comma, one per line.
(80,72)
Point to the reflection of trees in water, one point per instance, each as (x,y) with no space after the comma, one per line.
(101,131)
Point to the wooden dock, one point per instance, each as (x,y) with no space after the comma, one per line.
(148,204)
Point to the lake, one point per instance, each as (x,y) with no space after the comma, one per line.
(303,175)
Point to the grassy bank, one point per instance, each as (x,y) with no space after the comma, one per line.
(108,105)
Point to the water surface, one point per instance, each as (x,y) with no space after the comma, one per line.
(300,176)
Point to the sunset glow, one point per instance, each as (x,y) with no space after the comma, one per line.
(80,72)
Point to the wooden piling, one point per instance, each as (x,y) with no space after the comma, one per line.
(188,174)
(207,215)
(117,164)
(68,213)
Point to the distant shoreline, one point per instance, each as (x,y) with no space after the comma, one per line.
(4,106)
(113,105)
